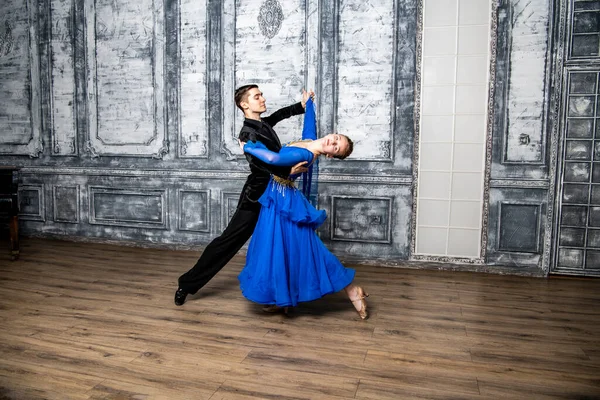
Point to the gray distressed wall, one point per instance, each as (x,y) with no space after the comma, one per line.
(121,115)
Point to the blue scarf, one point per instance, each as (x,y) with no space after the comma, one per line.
(309,131)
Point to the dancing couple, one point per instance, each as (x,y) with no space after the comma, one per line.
(286,262)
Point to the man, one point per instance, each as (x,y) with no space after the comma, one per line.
(250,100)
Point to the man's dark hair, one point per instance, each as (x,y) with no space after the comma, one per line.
(350,148)
(241,93)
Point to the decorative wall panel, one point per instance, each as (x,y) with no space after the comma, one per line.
(128,207)
(519,227)
(521,163)
(229,203)
(20,118)
(66,204)
(365,95)
(366,221)
(194,210)
(31,203)
(193,132)
(62,74)
(361,219)
(125,56)
(526,89)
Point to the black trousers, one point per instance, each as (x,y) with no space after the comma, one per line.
(222,249)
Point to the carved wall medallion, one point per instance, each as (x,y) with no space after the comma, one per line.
(270,18)
(6,40)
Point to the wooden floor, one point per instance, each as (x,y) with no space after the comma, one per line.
(91,321)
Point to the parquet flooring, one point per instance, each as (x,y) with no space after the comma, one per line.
(97,321)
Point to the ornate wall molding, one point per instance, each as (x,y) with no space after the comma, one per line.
(447,260)
(129,121)
(137,208)
(403,180)
(519,183)
(399,180)
(416,140)
(21,124)
(489,129)
(559,27)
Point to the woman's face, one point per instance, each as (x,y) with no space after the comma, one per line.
(335,145)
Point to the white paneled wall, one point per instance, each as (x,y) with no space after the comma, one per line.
(455,65)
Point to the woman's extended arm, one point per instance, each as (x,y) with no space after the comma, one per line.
(288,156)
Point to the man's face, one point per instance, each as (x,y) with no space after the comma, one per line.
(335,145)
(255,103)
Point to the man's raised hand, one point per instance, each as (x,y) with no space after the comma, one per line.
(306,95)
(299,168)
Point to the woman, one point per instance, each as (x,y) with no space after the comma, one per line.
(286,261)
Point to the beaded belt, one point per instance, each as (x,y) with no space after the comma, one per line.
(283,181)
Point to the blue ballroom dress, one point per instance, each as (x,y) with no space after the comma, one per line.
(286,261)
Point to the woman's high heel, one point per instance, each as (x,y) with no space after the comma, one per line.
(360,297)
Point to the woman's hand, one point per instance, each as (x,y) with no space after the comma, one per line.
(242,144)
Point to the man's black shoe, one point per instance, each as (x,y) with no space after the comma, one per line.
(180,296)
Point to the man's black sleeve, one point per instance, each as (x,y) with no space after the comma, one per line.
(283,113)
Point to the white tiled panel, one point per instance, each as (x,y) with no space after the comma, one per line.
(454,90)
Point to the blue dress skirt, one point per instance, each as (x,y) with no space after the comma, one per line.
(286,261)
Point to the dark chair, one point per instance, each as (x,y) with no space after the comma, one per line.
(9,205)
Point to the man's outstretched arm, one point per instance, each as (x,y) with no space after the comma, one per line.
(289,111)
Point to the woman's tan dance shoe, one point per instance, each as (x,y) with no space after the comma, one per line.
(360,297)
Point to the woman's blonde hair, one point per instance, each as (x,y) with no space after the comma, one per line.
(350,148)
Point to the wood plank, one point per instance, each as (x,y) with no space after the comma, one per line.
(376,390)
(186,362)
(238,390)
(549,391)
(458,369)
(141,389)
(348,365)
(24,380)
